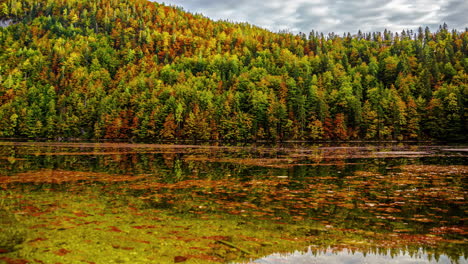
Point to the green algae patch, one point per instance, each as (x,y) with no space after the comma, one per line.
(96,228)
(12,232)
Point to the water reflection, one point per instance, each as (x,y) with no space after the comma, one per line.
(357,196)
(5,23)
(348,257)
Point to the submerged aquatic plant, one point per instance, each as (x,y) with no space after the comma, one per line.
(12,233)
(182,205)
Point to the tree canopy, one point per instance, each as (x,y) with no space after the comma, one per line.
(135,69)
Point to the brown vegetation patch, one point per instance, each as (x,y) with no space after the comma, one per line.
(63,176)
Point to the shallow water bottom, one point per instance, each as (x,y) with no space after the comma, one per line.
(137,203)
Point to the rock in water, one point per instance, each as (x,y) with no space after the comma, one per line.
(12,233)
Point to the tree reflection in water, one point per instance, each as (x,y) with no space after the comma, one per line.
(348,257)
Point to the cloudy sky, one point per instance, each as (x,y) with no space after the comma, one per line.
(337,16)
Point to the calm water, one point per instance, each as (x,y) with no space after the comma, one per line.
(348,257)
(373,200)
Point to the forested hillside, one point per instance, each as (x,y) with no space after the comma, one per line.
(134,69)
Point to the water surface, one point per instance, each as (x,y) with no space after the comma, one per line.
(140,203)
(348,257)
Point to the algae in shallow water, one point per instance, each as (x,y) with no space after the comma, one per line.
(87,226)
(12,233)
(166,207)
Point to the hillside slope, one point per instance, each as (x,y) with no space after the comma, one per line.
(134,69)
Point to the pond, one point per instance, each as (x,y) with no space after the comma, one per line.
(148,203)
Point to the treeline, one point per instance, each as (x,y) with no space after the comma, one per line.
(134,69)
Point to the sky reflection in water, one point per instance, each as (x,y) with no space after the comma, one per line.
(348,257)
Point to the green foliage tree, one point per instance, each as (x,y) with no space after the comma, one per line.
(145,71)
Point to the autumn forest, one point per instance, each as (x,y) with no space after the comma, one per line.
(139,70)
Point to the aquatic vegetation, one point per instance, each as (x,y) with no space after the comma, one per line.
(88,225)
(153,203)
(12,233)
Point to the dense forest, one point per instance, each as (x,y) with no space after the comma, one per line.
(139,70)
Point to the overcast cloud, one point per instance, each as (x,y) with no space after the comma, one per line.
(337,16)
